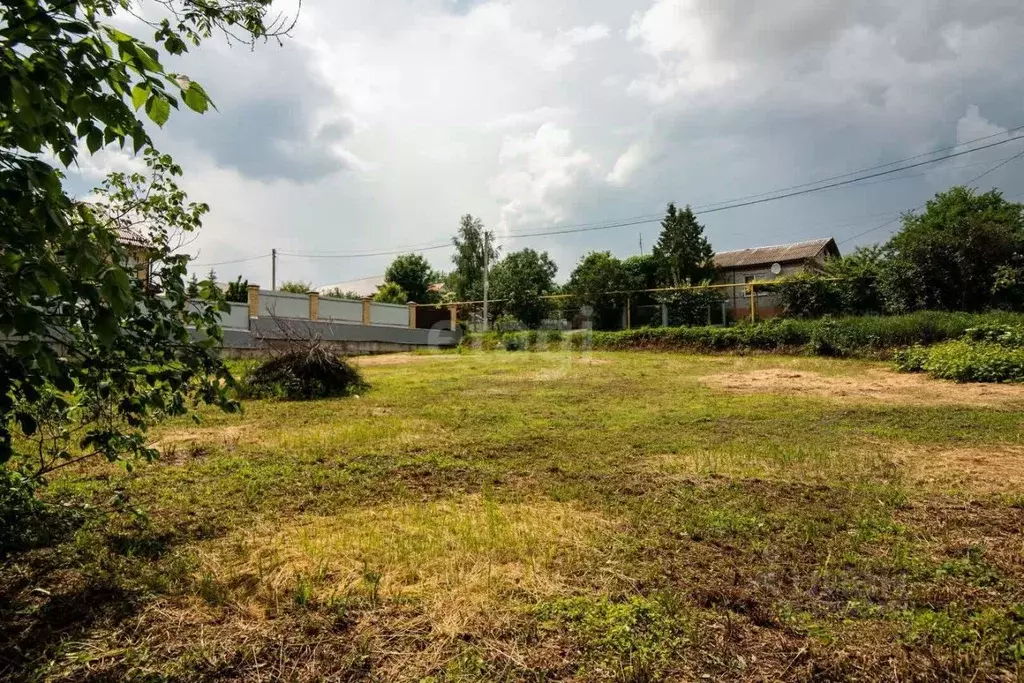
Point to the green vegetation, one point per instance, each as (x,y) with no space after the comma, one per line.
(990,353)
(296,286)
(391,293)
(864,336)
(495,516)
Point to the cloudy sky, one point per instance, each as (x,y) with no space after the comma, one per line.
(380,122)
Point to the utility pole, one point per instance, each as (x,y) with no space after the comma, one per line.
(273,269)
(485,279)
(641,244)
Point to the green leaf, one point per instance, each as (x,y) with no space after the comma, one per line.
(94,140)
(139,94)
(158,109)
(196,99)
(119,36)
(28,423)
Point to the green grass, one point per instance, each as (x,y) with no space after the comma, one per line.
(542,516)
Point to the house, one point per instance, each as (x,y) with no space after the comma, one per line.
(767,263)
(137,249)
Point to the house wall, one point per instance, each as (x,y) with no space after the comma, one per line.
(738,302)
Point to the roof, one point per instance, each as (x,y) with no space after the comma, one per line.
(366,286)
(130,237)
(780,253)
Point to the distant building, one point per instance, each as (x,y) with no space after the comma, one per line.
(137,248)
(366,286)
(767,263)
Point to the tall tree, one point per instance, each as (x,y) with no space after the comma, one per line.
(414,275)
(98,357)
(597,275)
(391,293)
(467,280)
(519,280)
(947,257)
(683,254)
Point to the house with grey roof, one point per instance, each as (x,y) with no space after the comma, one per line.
(761,264)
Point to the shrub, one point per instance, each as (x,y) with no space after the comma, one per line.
(911,359)
(507,323)
(966,361)
(1011,336)
(303,375)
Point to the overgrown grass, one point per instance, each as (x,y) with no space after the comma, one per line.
(541,516)
(855,336)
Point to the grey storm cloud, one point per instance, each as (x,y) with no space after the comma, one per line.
(269,129)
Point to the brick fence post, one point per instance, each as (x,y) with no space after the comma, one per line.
(412,314)
(254,301)
(453,311)
(314,305)
(367,302)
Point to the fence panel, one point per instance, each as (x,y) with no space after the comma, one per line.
(341,310)
(391,315)
(237,318)
(284,305)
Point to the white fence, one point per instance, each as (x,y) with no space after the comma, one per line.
(340,310)
(391,315)
(284,305)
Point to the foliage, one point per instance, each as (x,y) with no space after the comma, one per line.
(519,280)
(1008,287)
(238,291)
(192,290)
(506,322)
(947,257)
(682,253)
(296,287)
(858,286)
(98,355)
(691,306)
(596,275)
(303,375)
(391,293)
(413,274)
(966,361)
(339,293)
(855,336)
(470,258)
(1011,336)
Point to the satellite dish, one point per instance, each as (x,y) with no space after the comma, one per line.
(776,268)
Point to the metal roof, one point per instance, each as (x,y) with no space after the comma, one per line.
(780,253)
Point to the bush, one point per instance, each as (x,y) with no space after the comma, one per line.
(967,361)
(1010,336)
(507,323)
(839,337)
(303,375)
(911,359)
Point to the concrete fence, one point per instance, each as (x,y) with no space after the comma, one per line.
(274,319)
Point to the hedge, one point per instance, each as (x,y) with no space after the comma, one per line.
(839,337)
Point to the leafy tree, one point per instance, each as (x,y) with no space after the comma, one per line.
(683,254)
(467,280)
(947,257)
(238,291)
(296,286)
(97,356)
(193,287)
(858,290)
(413,274)
(338,293)
(520,279)
(597,275)
(391,293)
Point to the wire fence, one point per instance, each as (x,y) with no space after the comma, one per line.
(720,304)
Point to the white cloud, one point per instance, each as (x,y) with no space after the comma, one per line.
(973,125)
(538,169)
(626,166)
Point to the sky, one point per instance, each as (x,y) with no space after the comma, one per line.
(378,123)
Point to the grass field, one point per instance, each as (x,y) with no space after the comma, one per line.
(551,516)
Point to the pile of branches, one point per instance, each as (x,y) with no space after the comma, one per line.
(303,375)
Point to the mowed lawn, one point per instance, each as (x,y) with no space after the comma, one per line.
(551,516)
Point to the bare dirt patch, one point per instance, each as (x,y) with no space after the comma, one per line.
(870,385)
(980,469)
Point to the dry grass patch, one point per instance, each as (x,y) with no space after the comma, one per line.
(870,385)
(462,561)
(400,358)
(976,469)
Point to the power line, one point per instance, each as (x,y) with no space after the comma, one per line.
(973,180)
(224,263)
